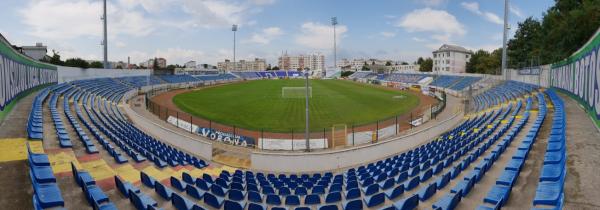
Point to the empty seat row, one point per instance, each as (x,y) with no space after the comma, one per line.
(46,193)
(550,188)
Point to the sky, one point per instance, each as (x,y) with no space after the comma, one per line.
(200,30)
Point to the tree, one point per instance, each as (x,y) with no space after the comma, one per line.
(426,65)
(97,65)
(365,67)
(388,63)
(54,59)
(172,67)
(346,73)
(420,61)
(525,44)
(484,62)
(77,62)
(155,64)
(404,63)
(563,29)
(275,68)
(269,67)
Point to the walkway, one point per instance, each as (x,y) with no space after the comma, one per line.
(583,159)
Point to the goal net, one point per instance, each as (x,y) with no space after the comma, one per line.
(295,92)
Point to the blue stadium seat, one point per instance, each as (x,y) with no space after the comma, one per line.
(448,202)
(374,200)
(408,203)
(181,203)
(353,205)
(234,205)
(497,195)
(213,201)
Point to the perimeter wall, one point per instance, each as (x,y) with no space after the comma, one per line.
(579,76)
(19,73)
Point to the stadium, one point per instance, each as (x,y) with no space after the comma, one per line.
(104,138)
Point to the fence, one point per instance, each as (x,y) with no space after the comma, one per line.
(295,140)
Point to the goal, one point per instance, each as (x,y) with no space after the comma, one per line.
(295,92)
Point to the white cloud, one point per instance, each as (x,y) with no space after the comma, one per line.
(489,16)
(120,44)
(152,6)
(486,47)
(213,13)
(180,55)
(471,6)
(58,19)
(318,36)
(265,36)
(262,2)
(444,38)
(430,20)
(387,34)
(68,19)
(516,11)
(432,2)
(417,39)
(493,18)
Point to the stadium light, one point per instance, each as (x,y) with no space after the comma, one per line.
(504,38)
(234,28)
(306,130)
(105,42)
(334,22)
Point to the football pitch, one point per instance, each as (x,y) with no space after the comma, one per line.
(260,105)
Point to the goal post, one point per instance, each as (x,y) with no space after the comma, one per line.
(295,92)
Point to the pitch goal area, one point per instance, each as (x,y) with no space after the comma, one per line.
(295,92)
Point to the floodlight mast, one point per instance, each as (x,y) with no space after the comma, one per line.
(504,40)
(234,28)
(306,130)
(105,41)
(334,22)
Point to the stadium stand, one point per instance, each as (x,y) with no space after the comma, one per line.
(363,75)
(405,78)
(178,78)
(139,81)
(46,194)
(218,77)
(464,83)
(399,182)
(506,91)
(445,81)
(266,74)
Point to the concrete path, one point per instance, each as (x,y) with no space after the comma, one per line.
(16,186)
(582,186)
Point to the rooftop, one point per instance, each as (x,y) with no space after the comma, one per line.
(452,48)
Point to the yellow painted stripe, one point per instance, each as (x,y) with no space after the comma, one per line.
(16,149)
(61,162)
(99,169)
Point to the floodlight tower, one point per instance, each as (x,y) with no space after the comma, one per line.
(306,130)
(234,28)
(334,22)
(105,41)
(504,40)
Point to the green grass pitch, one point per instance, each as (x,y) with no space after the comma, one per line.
(259,104)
